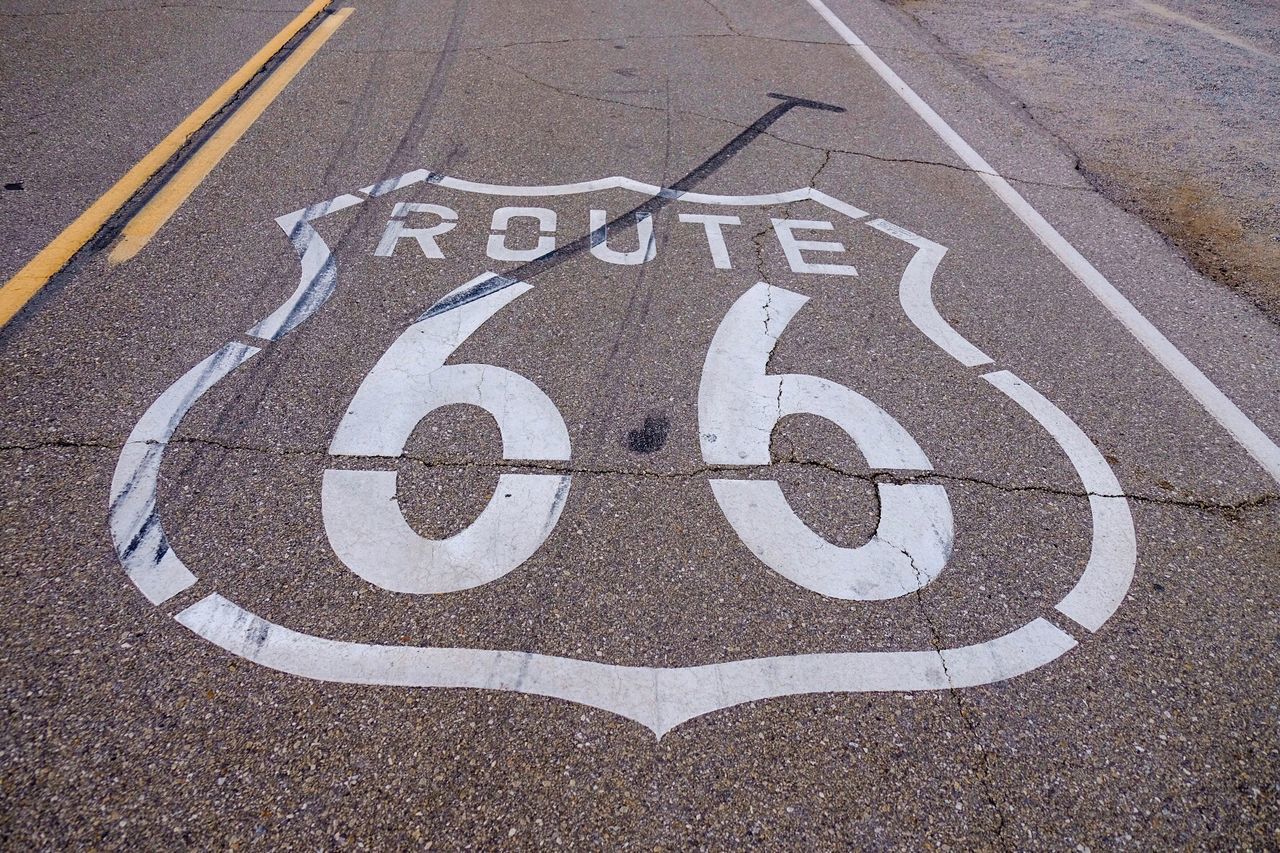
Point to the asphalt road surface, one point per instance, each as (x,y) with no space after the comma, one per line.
(637,425)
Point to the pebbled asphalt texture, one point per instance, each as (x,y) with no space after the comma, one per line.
(124,729)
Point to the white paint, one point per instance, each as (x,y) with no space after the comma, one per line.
(793,248)
(1114,549)
(739,405)
(915,294)
(498,249)
(911,545)
(361,514)
(657,698)
(411,380)
(426,237)
(319,276)
(368,532)
(1217,404)
(645,246)
(711,226)
(141,544)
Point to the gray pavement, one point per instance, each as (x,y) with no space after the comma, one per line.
(91,87)
(838,700)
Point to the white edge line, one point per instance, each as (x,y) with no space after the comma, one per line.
(1199,386)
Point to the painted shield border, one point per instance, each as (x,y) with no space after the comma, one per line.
(658,698)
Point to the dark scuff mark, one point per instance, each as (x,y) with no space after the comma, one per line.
(553,259)
(257,633)
(479,290)
(138,538)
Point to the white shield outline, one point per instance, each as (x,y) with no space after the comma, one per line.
(658,698)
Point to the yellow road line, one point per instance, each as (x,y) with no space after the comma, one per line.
(18,290)
(146,222)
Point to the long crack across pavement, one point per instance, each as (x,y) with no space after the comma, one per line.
(500,466)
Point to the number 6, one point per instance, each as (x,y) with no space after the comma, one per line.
(361,515)
(739,405)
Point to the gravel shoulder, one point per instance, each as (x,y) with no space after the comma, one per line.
(1172,110)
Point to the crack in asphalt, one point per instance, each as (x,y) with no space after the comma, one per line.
(986,757)
(758,245)
(983,770)
(570,93)
(891,477)
(826,161)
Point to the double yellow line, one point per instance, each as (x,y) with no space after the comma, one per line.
(28,281)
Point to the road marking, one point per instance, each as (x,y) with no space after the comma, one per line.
(426,237)
(28,281)
(657,697)
(1208,29)
(362,515)
(740,405)
(319,273)
(915,295)
(1199,386)
(645,249)
(713,228)
(498,248)
(136,529)
(1113,552)
(143,226)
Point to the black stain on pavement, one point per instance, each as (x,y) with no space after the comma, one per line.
(16,185)
(650,437)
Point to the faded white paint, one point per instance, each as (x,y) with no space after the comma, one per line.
(396,229)
(368,532)
(319,274)
(645,246)
(915,294)
(657,698)
(498,249)
(794,248)
(418,176)
(739,404)
(910,547)
(1114,550)
(139,537)
(361,514)
(712,226)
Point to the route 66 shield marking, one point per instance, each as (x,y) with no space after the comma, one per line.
(739,404)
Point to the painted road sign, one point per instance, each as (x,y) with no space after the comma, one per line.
(740,401)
